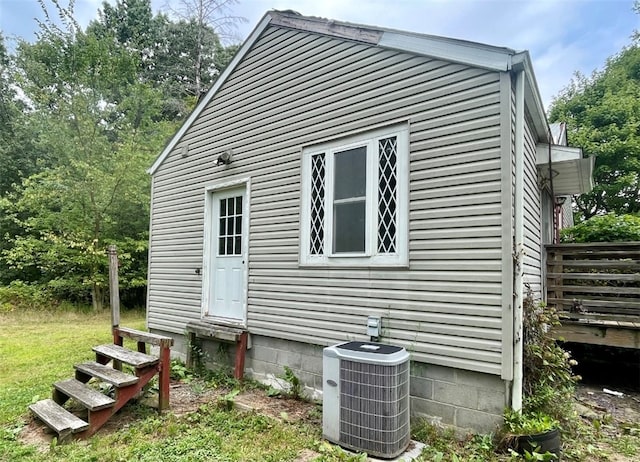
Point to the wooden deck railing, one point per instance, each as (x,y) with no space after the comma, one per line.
(595,281)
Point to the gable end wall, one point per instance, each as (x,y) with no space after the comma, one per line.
(293,89)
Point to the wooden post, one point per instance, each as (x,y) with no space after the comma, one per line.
(164,376)
(241,349)
(114,290)
(114,297)
(558,261)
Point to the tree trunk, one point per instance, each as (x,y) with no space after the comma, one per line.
(97,297)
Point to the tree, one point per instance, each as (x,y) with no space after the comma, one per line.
(99,123)
(19,154)
(82,115)
(603,117)
(185,68)
(182,58)
(210,20)
(131,22)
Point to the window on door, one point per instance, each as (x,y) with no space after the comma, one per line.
(230,226)
(355,200)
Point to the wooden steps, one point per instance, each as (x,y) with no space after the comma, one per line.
(145,337)
(133,358)
(90,398)
(100,407)
(58,418)
(118,379)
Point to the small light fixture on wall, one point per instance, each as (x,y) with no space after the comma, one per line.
(225,158)
(560,200)
(185,150)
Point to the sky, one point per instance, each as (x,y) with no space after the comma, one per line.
(562,36)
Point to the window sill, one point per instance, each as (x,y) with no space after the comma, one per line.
(352,265)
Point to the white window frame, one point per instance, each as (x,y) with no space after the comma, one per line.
(370,257)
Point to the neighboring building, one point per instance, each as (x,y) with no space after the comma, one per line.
(338,171)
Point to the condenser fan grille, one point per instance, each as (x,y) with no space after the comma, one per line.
(374,406)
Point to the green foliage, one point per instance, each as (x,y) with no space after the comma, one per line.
(227,401)
(294,388)
(603,114)
(531,456)
(443,445)
(273,392)
(179,371)
(604,228)
(528,423)
(549,383)
(74,148)
(331,453)
(98,123)
(21,296)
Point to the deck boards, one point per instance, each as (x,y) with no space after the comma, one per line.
(147,337)
(609,333)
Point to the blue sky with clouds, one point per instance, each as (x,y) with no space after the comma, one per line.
(563,36)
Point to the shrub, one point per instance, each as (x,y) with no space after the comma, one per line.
(549,382)
(604,228)
(21,296)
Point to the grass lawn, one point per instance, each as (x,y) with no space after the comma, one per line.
(38,348)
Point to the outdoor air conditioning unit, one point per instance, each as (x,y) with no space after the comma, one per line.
(366,397)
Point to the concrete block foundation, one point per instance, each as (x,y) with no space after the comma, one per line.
(466,400)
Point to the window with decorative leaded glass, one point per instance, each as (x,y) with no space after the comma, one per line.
(316,238)
(387,192)
(355,200)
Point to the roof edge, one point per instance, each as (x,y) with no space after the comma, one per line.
(470,53)
(451,49)
(248,43)
(360,33)
(522,62)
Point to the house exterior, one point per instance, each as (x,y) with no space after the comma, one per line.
(337,172)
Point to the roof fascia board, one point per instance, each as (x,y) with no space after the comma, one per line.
(331,28)
(266,19)
(522,62)
(558,153)
(587,166)
(465,53)
(573,176)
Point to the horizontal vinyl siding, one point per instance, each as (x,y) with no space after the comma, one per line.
(294,89)
(532,220)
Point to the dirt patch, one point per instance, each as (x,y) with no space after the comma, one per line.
(616,415)
(290,410)
(596,403)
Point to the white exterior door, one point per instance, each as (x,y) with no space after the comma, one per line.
(226,301)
